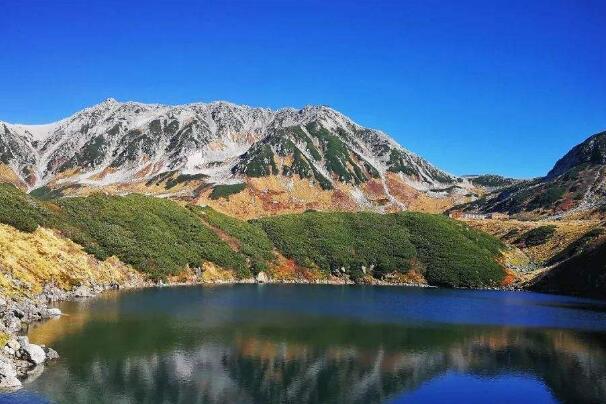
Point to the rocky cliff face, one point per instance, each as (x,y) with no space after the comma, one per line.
(152,148)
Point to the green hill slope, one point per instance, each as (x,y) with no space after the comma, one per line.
(447,252)
(161,238)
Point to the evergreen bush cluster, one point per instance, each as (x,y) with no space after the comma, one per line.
(162,237)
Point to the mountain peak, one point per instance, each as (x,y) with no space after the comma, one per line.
(592,151)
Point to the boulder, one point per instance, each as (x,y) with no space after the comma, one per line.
(31,352)
(262,277)
(82,291)
(53,312)
(51,354)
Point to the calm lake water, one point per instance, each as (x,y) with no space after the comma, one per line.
(347,344)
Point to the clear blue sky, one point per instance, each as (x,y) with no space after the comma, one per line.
(473,86)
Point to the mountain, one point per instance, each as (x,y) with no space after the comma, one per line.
(576,184)
(246,159)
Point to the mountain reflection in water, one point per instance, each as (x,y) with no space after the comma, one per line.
(236,344)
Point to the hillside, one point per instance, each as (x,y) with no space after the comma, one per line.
(575,185)
(311,158)
(557,256)
(163,239)
(584,273)
(443,251)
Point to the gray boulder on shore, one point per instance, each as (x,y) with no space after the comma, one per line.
(31,352)
(262,277)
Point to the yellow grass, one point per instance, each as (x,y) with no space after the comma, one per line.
(28,261)
(566,232)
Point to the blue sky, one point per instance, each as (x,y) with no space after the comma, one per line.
(473,86)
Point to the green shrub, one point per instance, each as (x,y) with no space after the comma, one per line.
(155,235)
(536,236)
(181,178)
(224,191)
(251,239)
(452,253)
(547,197)
(45,193)
(160,237)
(19,210)
(494,181)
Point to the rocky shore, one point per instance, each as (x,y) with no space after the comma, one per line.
(21,360)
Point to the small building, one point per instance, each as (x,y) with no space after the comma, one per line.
(474,216)
(498,215)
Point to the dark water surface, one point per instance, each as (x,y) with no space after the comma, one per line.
(282,343)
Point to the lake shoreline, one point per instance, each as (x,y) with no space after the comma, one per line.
(18,367)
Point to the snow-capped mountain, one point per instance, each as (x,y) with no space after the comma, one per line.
(124,143)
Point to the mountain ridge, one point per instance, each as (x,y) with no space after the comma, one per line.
(575,185)
(219,143)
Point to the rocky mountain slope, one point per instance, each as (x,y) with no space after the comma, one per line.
(314,157)
(575,185)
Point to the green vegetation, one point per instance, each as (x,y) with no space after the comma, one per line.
(453,254)
(19,210)
(582,274)
(493,181)
(154,235)
(299,166)
(536,236)
(336,155)
(224,191)
(258,162)
(172,179)
(91,154)
(161,237)
(331,241)
(448,252)
(300,135)
(181,178)
(45,193)
(251,239)
(547,197)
